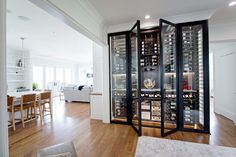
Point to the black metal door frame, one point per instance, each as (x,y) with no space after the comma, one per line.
(126,33)
(163,133)
(205,33)
(139,129)
(179,78)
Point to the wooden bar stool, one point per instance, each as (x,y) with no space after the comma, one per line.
(11,110)
(45,99)
(28,102)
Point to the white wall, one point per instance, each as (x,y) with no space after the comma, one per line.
(100,95)
(221,30)
(225,79)
(52,61)
(13,56)
(96,100)
(97,68)
(106,88)
(31,59)
(4,152)
(222,37)
(211,67)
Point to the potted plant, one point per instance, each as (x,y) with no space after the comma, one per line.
(34,86)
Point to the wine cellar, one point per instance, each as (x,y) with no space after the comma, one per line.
(159,77)
(150,76)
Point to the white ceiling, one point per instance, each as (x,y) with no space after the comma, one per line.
(45,35)
(123,11)
(224,13)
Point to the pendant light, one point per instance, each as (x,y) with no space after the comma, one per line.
(21,62)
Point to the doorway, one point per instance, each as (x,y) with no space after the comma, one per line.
(53,72)
(224,76)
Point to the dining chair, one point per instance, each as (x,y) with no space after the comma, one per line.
(11,110)
(45,103)
(28,102)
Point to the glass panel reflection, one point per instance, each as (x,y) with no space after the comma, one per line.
(169,78)
(192,45)
(118,81)
(134,75)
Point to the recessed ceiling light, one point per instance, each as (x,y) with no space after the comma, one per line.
(147,16)
(24,18)
(232,3)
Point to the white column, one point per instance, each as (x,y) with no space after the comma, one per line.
(100,103)
(4,152)
(106,94)
(96,100)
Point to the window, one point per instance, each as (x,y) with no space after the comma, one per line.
(68,75)
(49,79)
(38,76)
(60,75)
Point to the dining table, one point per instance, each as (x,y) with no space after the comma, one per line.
(18,95)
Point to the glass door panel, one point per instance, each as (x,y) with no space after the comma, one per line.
(192,84)
(118,62)
(135,78)
(169,78)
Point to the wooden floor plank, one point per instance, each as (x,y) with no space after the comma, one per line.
(92,138)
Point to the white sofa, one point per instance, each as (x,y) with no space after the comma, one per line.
(74,94)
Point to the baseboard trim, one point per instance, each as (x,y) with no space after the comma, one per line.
(225,113)
(97,116)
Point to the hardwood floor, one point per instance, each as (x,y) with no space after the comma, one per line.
(92,138)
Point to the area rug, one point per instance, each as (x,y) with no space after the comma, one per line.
(60,150)
(157,147)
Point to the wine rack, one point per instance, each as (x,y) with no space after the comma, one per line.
(159,77)
(170,57)
(192,47)
(151,110)
(190,102)
(169,74)
(150,75)
(170,107)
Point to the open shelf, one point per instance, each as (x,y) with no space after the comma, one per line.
(14,81)
(15,67)
(151,90)
(16,74)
